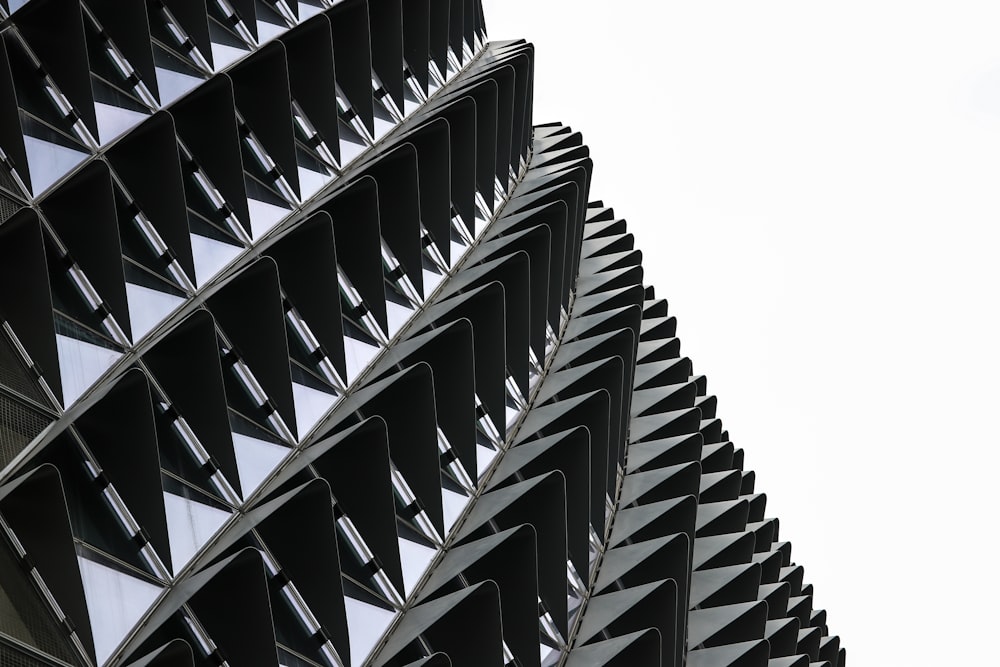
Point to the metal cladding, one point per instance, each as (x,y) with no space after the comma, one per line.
(314,352)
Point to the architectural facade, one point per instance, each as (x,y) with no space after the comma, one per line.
(315,352)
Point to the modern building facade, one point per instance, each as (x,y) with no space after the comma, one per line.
(315,352)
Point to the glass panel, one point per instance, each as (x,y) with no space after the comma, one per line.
(174,84)
(311,405)
(351,143)
(267,31)
(267,207)
(484,457)
(255,460)
(436,77)
(115,603)
(50,155)
(113,121)
(80,364)
(457,250)
(410,101)
(550,656)
(264,216)
(309,8)
(313,174)
(116,111)
(514,402)
(398,312)
(174,77)
(453,503)
(431,281)
(383,121)
(480,222)
(147,308)
(226,47)
(511,414)
(415,558)
(190,524)
(358,354)
(270,23)
(458,243)
(311,182)
(594,551)
(365,625)
(432,272)
(211,256)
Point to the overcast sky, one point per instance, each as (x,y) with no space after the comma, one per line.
(816,190)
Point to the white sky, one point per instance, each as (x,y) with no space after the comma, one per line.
(816,190)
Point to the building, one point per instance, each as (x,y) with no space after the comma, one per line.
(315,352)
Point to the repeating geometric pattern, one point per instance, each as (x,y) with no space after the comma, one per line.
(314,352)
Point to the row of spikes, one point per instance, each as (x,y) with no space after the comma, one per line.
(454,345)
(75,75)
(692,571)
(103,284)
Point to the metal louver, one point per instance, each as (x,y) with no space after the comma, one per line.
(314,352)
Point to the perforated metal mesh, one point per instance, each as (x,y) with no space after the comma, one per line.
(19,425)
(8,207)
(13,373)
(24,617)
(11,657)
